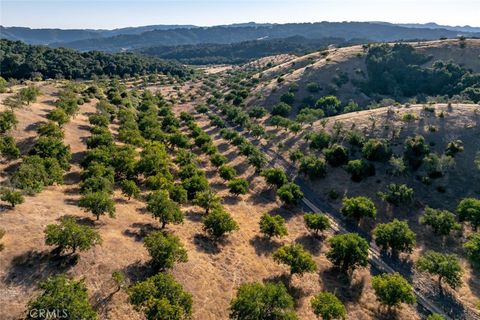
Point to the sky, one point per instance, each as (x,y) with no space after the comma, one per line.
(109,14)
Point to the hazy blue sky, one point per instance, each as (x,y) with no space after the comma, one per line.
(120,13)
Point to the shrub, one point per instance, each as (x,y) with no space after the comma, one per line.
(445,266)
(295,256)
(11,196)
(397,194)
(61,293)
(329,104)
(262,301)
(328,306)
(358,208)
(50,129)
(227,173)
(376,150)
(313,167)
(316,221)
(442,222)
(69,235)
(348,251)
(360,169)
(281,109)
(218,160)
(290,193)
(415,149)
(272,226)
(319,140)
(130,188)
(59,116)
(257,112)
(336,155)
(165,250)
(8,147)
(472,247)
(7,121)
(161,297)
(392,289)
(275,177)
(469,210)
(218,223)
(395,236)
(238,186)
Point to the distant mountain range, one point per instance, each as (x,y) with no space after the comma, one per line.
(173,35)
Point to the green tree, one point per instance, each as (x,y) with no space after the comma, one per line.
(358,208)
(376,150)
(313,167)
(415,149)
(238,186)
(161,298)
(165,250)
(69,235)
(218,160)
(295,256)
(392,289)
(50,129)
(469,210)
(395,236)
(29,94)
(218,223)
(336,155)
(328,306)
(262,301)
(98,203)
(227,173)
(442,222)
(472,247)
(8,147)
(275,177)
(316,222)
(435,316)
(329,104)
(207,199)
(163,208)
(348,251)
(11,196)
(360,169)
(445,266)
(194,184)
(60,293)
(319,140)
(272,226)
(290,193)
(130,188)
(59,116)
(8,120)
(281,109)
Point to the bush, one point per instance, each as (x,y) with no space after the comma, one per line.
(472,247)
(218,160)
(69,235)
(295,256)
(397,194)
(348,251)
(227,173)
(165,250)
(328,306)
(329,104)
(238,186)
(11,196)
(415,149)
(376,150)
(442,222)
(218,223)
(469,210)
(7,121)
(8,147)
(130,188)
(163,208)
(272,226)
(395,236)
(319,140)
(316,221)
(336,155)
(275,177)
(50,129)
(59,116)
(313,167)
(257,112)
(281,109)
(360,169)
(98,203)
(358,208)
(60,293)
(445,266)
(262,301)
(161,297)
(392,289)
(290,193)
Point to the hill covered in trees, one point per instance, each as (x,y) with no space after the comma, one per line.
(22,61)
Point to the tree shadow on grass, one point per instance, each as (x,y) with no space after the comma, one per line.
(343,285)
(263,246)
(142,230)
(311,242)
(32,267)
(138,271)
(265,196)
(206,244)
